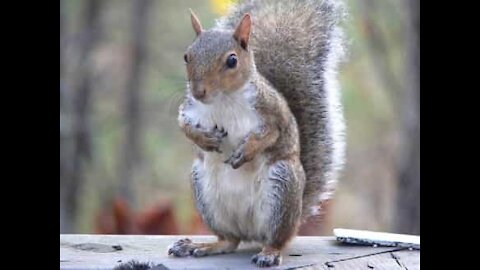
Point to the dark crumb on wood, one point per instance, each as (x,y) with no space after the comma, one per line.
(117,247)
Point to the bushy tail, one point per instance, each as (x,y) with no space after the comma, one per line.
(297,46)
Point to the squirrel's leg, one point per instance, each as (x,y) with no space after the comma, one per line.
(185,247)
(286,179)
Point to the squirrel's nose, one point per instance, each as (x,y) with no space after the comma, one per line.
(199,94)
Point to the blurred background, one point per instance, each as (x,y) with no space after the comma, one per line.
(124,164)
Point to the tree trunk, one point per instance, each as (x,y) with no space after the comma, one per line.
(378,48)
(73,159)
(408,196)
(131,151)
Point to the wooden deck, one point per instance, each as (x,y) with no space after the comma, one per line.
(108,251)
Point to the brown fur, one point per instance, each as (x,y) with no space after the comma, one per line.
(216,76)
(298,46)
(277,137)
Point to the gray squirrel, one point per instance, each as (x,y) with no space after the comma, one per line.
(263,108)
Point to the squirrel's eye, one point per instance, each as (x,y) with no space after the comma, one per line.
(185,57)
(232,61)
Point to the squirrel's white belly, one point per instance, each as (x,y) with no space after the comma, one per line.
(235,199)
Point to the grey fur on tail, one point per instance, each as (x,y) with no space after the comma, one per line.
(297,46)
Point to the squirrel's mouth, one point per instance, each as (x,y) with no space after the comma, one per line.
(204,99)
(207,98)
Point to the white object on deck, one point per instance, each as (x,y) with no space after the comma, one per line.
(377,238)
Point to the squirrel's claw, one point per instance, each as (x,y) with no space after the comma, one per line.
(220,132)
(210,139)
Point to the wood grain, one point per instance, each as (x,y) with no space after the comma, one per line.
(304,252)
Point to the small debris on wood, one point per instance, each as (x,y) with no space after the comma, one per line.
(117,247)
(95,247)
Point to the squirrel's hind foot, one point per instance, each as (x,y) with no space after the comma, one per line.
(268,257)
(185,247)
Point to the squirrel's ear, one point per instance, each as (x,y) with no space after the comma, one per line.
(197,26)
(242,33)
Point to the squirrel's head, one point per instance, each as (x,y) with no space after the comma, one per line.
(218,61)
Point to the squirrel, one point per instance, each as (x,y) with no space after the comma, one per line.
(262,107)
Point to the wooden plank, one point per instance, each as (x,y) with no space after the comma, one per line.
(381,261)
(107,251)
(409,260)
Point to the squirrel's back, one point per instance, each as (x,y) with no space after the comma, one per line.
(297,45)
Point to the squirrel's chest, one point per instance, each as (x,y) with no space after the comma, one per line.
(235,113)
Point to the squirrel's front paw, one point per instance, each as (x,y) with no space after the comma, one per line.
(219,132)
(238,158)
(210,140)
